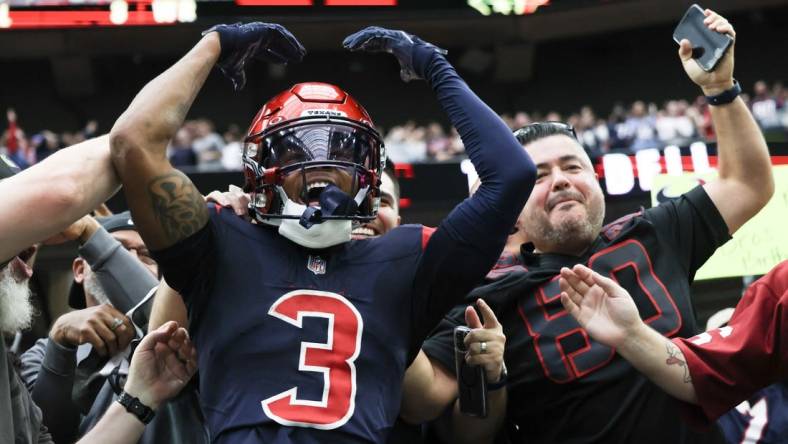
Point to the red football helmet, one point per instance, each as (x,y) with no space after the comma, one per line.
(312,125)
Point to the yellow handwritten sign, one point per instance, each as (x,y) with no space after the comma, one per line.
(757,246)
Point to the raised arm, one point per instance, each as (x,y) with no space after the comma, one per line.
(609,315)
(470,239)
(166,206)
(122,276)
(744,166)
(46,198)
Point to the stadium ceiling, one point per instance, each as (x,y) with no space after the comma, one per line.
(319,32)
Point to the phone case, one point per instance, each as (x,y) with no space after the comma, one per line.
(471,382)
(708,47)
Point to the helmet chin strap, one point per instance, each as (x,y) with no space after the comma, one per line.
(333,202)
(312,230)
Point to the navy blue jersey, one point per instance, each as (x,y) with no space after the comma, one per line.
(762,419)
(565,387)
(282,332)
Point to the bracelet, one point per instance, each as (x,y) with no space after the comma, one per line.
(725,97)
(501,383)
(136,407)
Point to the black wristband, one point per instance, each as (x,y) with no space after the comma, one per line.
(501,383)
(725,97)
(134,406)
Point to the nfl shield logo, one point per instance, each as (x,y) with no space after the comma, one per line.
(316,264)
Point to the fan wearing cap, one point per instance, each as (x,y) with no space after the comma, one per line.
(111,275)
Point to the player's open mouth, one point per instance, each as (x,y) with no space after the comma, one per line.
(313,190)
(364,232)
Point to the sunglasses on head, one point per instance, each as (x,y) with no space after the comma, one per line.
(526,131)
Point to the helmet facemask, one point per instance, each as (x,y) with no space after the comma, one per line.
(329,164)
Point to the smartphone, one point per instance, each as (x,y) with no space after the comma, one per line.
(471,381)
(708,47)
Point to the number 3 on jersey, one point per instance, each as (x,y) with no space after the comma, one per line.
(334,359)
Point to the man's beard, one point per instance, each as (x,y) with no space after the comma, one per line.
(571,235)
(16,310)
(94,288)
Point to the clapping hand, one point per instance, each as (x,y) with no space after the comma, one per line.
(162,365)
(601,306)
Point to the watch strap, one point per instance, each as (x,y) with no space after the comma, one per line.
(726,96)
(501,383)
(134,406)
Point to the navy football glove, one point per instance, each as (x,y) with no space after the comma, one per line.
(241,42)
(399,43)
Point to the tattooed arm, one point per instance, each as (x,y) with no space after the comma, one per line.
(660,360)
(165,204)
(609,315)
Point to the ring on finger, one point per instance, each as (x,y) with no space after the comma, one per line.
(116,322)
(483,347)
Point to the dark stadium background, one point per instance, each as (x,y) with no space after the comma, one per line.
(568,54)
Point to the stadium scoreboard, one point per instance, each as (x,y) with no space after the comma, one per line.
(38,14)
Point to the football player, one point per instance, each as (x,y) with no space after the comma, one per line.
(564,386)
(304,335)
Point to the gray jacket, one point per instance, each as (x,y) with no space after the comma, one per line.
(70,384)
(20,419)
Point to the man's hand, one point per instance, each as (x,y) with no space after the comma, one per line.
(242,42)
(601,306)
(399,43)
(81,231)
(162,364)
(721,79)
(234,198)
(104,327)
(489,333)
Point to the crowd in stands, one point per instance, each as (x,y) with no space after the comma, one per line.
(626,129)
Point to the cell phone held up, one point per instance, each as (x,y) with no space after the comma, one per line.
(708,47)
(471,381)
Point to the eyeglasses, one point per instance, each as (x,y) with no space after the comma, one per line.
(527,132)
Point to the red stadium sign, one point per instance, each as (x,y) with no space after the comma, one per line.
(80,14)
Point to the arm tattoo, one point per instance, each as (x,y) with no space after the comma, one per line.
(674,358)
(177,205)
